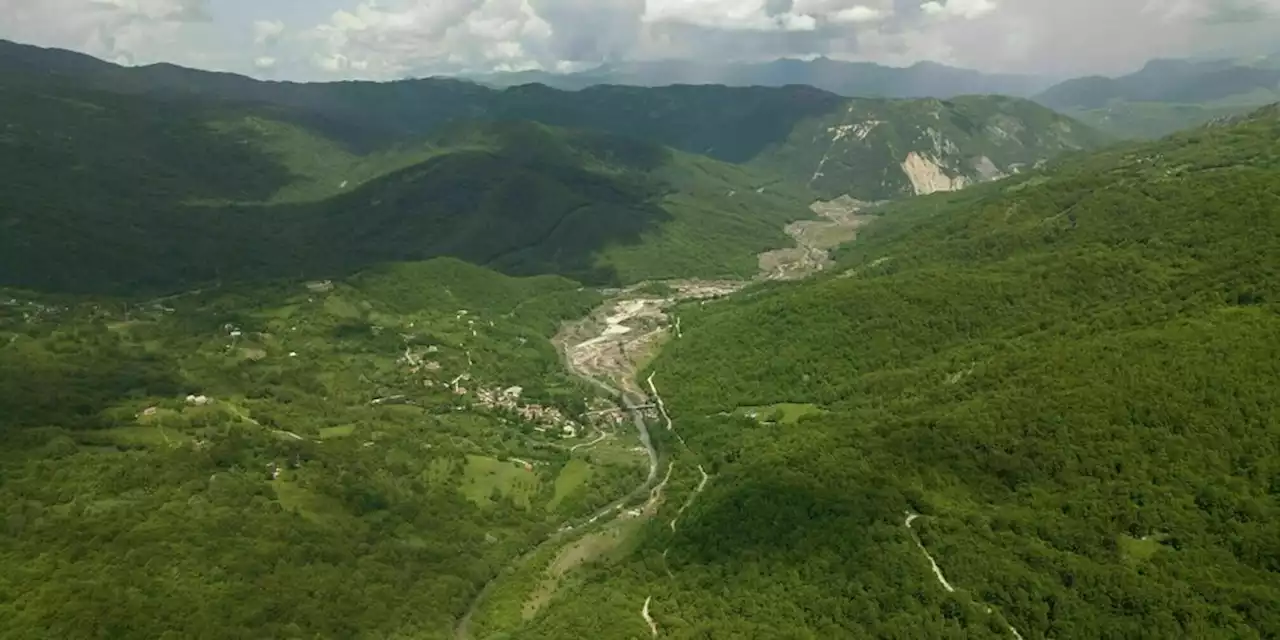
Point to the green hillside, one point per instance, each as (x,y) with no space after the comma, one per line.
(293,460)
(175,194)
(1069,377)
(1151,120)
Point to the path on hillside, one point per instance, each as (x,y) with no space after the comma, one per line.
(611,345)
(942,580)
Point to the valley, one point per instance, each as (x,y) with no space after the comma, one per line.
(964,360)
(608,349)
(435,360)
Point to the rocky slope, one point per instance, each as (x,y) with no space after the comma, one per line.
(876,149)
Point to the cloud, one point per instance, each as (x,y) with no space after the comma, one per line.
(967,9)
(732,15)
(385,39)
(158,10)
(264,63)
(394,38)
(428,36)
(120,30)
(577,30)
(858,14)
(1229,12)
(267,32)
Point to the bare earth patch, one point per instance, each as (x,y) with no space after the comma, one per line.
(814,238)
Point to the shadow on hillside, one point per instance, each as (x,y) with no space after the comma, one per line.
(787,516)
(71,388)
(528,209)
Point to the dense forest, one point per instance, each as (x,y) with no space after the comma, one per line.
(1069,377)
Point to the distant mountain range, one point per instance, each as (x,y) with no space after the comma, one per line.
(1171,81)
(1167,95)
(1162,97)
(853,79)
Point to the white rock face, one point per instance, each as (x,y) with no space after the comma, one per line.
(987,169)
(927,177)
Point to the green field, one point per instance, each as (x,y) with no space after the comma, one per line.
(331,433)
(572,479)
(487,479)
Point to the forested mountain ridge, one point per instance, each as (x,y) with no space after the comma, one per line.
(1066,375)
(178,193)
(871,149)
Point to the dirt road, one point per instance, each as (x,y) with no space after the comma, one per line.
(942,580)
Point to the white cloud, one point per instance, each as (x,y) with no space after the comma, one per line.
(858,14)
(426,36)
(267,32)
(264,63)
(384,39)
(746,15)
(967,9)
(158,10)
(125,31)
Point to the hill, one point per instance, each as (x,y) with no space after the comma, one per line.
(1056,388)
(803,133)
(1166,95)
(100,178)
(853,79)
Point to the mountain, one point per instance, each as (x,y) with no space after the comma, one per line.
(870,149)
(853,79)
(1171,81)
(1036,408)
(1166,95)
(790,130)
(103,178)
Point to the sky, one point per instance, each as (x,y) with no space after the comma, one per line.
(390,39)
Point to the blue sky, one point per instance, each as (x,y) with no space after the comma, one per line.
(387,39)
